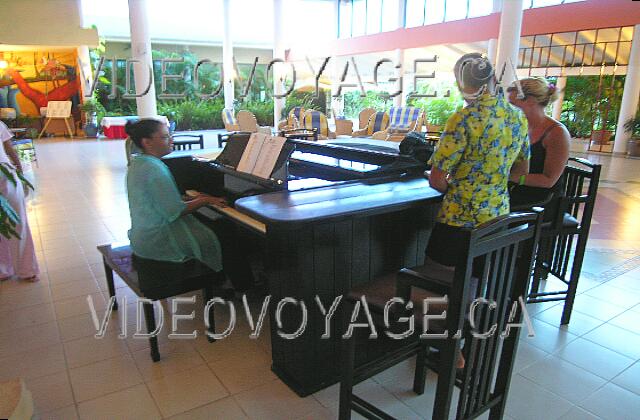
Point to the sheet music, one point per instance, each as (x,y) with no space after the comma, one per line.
(269,153)
(260,155)
(251,153)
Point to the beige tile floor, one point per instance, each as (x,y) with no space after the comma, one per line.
(590,369)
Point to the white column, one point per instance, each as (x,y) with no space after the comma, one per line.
(561,84)
(629,105)
(141,51)
(278,52)
(86,75)
(400,100)
(337,104)
(84,59)
(227,55)
(492,47)
(509,39)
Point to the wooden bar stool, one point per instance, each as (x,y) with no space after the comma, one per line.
(505,247)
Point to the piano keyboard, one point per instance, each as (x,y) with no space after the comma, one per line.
(212,211)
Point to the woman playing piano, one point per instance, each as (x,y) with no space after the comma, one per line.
(162,227)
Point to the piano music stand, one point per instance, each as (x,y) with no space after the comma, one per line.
(240,183)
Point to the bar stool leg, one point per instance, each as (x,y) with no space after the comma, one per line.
(421,370)
(208,295)
(150,319)
(346,384)
(108,272)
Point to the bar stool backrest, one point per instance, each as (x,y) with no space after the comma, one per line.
(570,228)
(580,186)
(505,247)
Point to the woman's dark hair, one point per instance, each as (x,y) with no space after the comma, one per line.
(138,130)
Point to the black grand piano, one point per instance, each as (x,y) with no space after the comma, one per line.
(333,215)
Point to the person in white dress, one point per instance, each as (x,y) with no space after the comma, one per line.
(17,256)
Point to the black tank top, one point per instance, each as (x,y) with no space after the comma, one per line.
(523,195)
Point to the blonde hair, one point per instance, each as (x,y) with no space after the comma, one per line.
(538,89)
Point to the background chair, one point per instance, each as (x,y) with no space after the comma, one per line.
(318,121)
(363,117)
(401,121)
(378,121)
(293,119)
(344,127)
(505,246)
(185,141)
(247,122)
(229,120)
(567,234)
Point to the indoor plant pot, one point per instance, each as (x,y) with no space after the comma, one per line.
(90,109)
(632,126)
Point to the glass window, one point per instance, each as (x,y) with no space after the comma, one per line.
(528,4)
(543,40)
(390,9)
(415,13)
(586,37)
(544,3)
(523,57)
(456,10)
(587,56)
(374,13)
(359,17)
(480,8)
(558,57)
(435,11)
(564,38)
(345,19)
(608,35)
(627,33)
(623,53)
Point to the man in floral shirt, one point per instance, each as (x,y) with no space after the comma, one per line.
(481,145)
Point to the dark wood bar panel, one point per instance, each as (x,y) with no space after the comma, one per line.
(323,238)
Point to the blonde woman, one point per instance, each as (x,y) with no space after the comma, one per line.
(549,140)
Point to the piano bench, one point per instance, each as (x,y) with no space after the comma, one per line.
(154,280)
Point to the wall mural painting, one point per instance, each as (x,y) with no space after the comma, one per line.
(30,79)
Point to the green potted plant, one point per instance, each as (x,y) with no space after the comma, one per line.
(632,126)
(90,108)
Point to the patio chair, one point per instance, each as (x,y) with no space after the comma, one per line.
(229,120)
(363,117)
(318,121)
(378,121)
(401,121)
(293,119)
(247,122)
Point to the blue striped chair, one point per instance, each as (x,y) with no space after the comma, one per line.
(293,120)
(317,120)
(401,121)
(229,120)
(378,121)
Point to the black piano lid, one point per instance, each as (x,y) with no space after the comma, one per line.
(291,209)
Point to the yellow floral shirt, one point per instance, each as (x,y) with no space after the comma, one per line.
(479,145)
